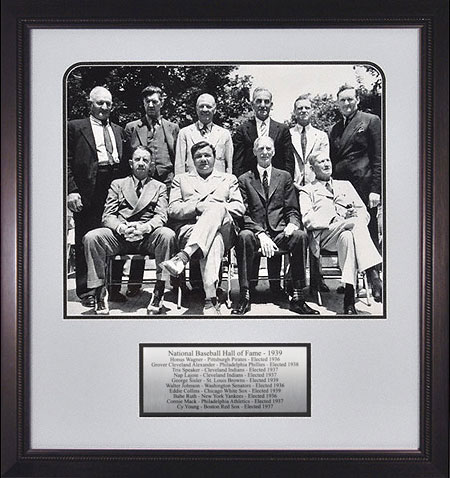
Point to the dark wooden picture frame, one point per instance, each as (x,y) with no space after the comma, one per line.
(431,459)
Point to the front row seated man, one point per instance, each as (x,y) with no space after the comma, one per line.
(202,209)
(271,222)
(337,220)
(133,219)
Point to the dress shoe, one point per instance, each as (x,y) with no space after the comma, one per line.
(222,296)
(377,290)
(340,289)
(174,266)
(101,301)
(116,296)
(243,306)
(301,307)
(88,301)
(133,291)
(211,309)
(323,287)
(279,295)
(350,309)
(156,304)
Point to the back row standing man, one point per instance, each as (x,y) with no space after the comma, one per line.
(160,136)
(95,158)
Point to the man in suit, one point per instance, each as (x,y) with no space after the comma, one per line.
(262,125)
(308,142)
(337,219)
(94,159)
(133,220)
(160,136)
(271,222)
(355,151)
(203,207)
(204,130)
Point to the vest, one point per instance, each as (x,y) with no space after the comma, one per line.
(160,152)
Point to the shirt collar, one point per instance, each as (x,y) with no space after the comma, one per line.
(300,127)
(261,170)
(347,119)
(96,121)
(202,126)
(153,121)
(136,180)
(259,122)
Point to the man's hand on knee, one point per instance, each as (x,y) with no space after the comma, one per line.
(268,247)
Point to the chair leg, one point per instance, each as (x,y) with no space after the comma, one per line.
(229,277)
(319,298)
(179,296)
(368,292)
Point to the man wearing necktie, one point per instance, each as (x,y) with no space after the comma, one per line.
(134,218)
(262,125)
(95,158)
(336,218)
(204,130)
(160,136)
(355,151)
(308,142)
(271,222)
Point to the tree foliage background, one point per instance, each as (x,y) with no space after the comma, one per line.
(182,84)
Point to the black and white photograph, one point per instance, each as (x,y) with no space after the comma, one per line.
(240,190)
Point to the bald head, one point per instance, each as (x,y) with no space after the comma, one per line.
(100,101)
(206,107)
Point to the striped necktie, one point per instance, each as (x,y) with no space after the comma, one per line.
(108,142)
(263,129)
(139,189)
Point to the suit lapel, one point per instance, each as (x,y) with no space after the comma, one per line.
(87,132)
(252,131)
(142,132)
(297,143)
(273,129)
(256,183)
(118,136)
(274,182)
(148,193)
(166,127)
(311,138)
(129,192)
(350,129)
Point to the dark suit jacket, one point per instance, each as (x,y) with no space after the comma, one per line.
(136,133)
(243,157)
(123,205)
(82,158)
(280,209)
(356,153)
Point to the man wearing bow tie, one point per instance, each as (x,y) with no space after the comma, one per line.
(262,125)
(271,222)
(337,219)
(160,136)
(204,130)
(133,220)
(94,159)
(355,151)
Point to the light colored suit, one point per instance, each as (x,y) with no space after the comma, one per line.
(214,230)
(124,206)
(323,214)
(317,144)
(219,137)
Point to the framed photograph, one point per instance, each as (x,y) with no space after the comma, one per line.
(125,386)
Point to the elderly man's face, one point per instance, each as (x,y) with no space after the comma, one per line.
(264,152)
(322,168)
(262,104)
(303,112)
(141,163)
(206,107)
(152,105)
(204,161)
(348,102)
(101,104)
